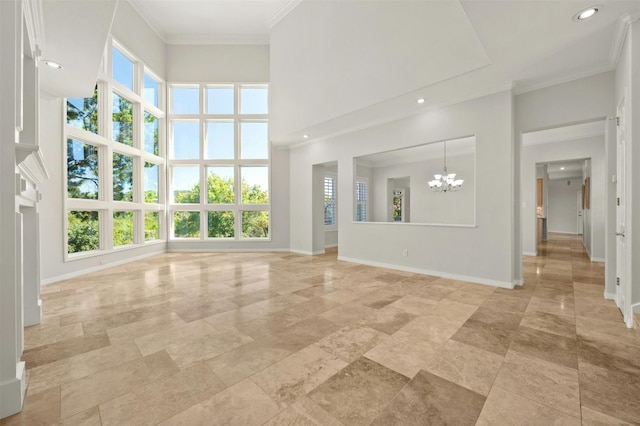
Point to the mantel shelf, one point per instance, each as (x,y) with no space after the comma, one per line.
(23,150)
(30,162)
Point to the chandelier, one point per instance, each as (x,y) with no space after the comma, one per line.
(445,182)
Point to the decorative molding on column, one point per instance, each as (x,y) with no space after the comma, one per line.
(34,21)
(30,162)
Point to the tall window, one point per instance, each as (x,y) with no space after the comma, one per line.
(362,199)
(115,162)
(330,201)
(219,161)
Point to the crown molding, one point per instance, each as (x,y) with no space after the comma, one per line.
(520,88)
(204,39)
(142,13)
(391,118)
(224,39)
(620,35)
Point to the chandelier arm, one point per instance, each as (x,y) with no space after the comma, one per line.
(444,183)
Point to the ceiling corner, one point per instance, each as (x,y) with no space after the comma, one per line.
(141,10)
(284,11)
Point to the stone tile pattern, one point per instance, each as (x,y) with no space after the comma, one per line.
(280,338)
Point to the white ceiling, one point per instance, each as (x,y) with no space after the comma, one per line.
(528,44)
(213,21)
(75,34)
(565,170)
(340,65)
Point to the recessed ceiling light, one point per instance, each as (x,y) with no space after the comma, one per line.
(587,13)
(53,64)
(561,168)
(305,136)
(420,101)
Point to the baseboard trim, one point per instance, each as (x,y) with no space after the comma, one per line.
(586,249)
(598,260)
(279,250)
(85,271)
(530,253)
(477,280)
(518,282)
(609,296)
(331,246)
(75,274)
(306,253)
(635,308)
(12,392)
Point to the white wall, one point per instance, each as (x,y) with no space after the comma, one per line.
(586,99)
(175,63)
(426,206)
(563,205)
(239,64)
(443,250)
(52,213)
(218,64)
(330,238)
(144,41)
(145,44)
(332,58)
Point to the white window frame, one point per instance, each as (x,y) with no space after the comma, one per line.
(334,200)
(364,180)
(203,164)
(105,205)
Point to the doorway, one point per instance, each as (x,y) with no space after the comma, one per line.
(560,199)
(325,207)
(398,190)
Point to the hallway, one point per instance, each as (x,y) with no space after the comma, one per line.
(280,338)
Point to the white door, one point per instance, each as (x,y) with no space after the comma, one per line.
(621,244)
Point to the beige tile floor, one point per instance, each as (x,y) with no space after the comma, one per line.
(278,338)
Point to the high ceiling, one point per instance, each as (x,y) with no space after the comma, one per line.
(341,65)
(341,83)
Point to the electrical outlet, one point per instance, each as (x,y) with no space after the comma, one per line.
(405,252)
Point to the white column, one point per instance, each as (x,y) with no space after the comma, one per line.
(31,266)
(31,235)
(12,374)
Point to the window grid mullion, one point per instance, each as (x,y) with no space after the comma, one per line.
(105,144)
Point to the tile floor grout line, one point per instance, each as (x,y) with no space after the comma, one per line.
(556,258)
